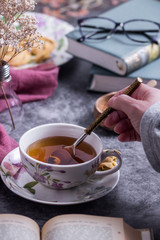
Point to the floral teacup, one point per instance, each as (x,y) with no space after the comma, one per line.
(63,176)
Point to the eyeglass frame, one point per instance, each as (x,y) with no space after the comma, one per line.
(114,29)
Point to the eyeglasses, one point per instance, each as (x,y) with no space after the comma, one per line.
(137,30)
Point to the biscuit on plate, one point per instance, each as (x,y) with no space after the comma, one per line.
(37,55)
(21,59)
(43,53)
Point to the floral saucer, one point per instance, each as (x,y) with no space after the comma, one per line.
(21,183)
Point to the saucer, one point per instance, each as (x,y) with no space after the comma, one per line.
(16,178)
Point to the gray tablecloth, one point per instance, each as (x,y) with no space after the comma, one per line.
(135,198)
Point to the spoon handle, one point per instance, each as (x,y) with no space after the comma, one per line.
(108,110)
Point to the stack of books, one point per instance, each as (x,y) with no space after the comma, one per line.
(118,60)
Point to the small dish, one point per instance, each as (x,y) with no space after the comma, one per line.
(21,183)
(101,104)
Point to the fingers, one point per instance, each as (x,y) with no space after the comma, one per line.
(122,102)
(123,126)
(125,130)
(129,136)
(114,118)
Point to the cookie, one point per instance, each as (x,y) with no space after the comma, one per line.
(43,53)
(37,55)
(21,59)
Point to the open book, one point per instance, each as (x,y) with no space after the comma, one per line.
(68,227)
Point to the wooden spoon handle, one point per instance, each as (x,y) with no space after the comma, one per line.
(108,110)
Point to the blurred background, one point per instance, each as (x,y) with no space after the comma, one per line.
(71,10)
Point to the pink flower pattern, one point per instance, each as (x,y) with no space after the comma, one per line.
(12,169)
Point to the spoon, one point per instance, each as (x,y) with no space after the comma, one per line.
(72,148)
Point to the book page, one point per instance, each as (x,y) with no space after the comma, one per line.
(80,227)
(131,233)
(146,234)
(17,227)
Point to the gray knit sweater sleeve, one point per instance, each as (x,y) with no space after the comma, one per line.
(150,135)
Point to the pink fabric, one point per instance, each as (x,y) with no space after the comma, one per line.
(35,83)
(30,85)
(6,143)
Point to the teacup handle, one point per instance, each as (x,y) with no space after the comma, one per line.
(111,152)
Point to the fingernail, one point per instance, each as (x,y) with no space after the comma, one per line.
(111,100)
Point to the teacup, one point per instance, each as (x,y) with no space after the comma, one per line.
(64,176)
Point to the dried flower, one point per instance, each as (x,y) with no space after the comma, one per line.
(18,31)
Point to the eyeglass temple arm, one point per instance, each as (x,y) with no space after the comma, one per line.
(150,38)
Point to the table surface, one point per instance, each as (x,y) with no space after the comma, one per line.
(135,198)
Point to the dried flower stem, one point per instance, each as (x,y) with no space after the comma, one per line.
(18,32)
(1,85)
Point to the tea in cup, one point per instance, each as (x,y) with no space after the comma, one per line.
(42,156)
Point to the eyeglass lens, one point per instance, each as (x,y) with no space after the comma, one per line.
(96,28)
(146,30)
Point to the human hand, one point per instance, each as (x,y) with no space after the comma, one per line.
(126,118)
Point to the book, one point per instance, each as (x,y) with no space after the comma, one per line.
(102,80)
(70,226)
(118,53)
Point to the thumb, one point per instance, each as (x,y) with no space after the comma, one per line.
(123,103)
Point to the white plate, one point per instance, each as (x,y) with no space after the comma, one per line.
(55,29)
(15,178)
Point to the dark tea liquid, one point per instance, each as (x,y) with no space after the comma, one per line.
(51,150)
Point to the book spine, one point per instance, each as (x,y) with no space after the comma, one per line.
(143,56)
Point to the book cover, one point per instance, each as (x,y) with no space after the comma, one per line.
(118,53)
(102,80)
